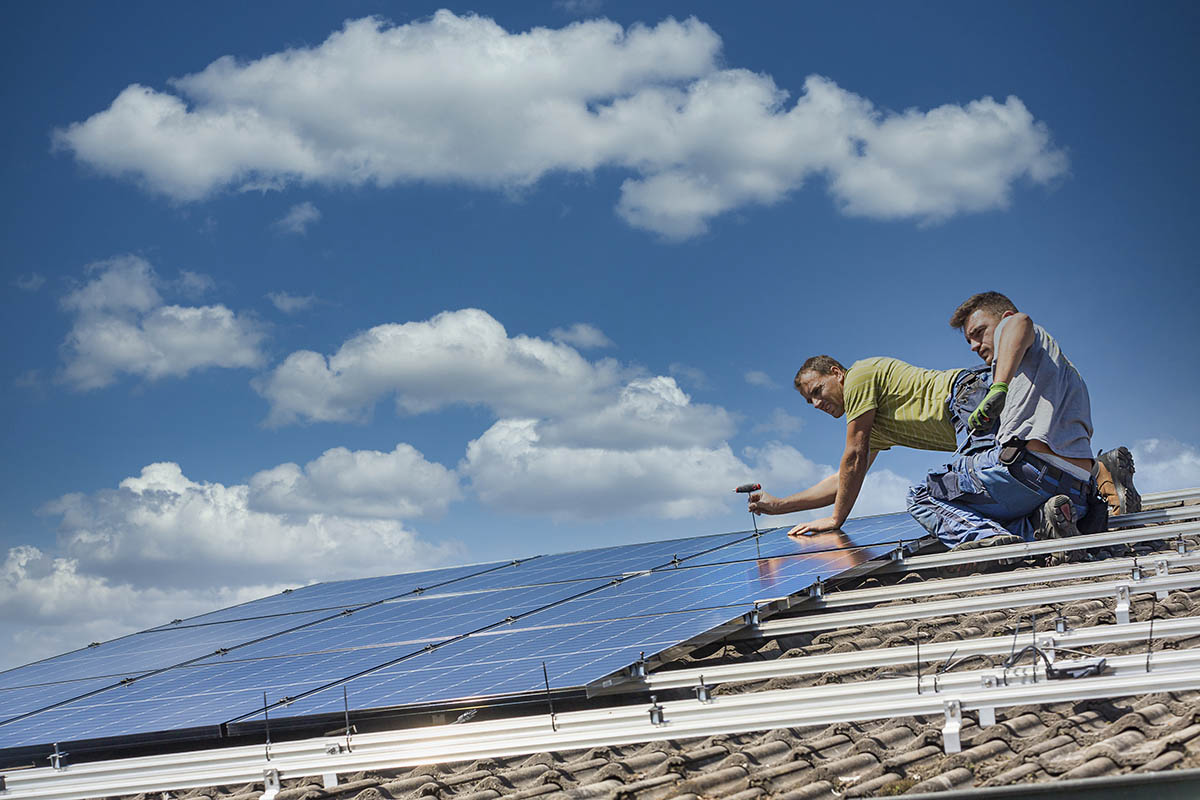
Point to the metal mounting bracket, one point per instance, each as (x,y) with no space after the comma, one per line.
(987,716)
(656,712)
(1122,609)
(270,784)
(950,740)
(1046,645)
(57,757)
(1161,569)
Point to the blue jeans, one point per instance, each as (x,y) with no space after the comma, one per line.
(976,496)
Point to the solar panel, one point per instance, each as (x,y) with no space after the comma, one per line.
(440,636)
(340,594)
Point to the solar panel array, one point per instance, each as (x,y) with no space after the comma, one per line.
(481,632)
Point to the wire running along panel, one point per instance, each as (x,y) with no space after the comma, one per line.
(586,614)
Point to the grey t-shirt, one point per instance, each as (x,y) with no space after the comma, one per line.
(1047,399)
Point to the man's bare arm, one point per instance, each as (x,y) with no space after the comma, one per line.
(818,496)
(856,460)
(1015,339)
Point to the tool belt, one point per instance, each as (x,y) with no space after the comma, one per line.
(1032,470)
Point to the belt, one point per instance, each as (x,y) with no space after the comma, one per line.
(1066,481)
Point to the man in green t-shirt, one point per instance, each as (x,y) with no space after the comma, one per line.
(886,403)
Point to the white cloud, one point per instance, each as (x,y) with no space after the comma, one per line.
(361,483)
(122,325)
(647,411)
(456,358)
(1163,465)
(161,528)
(298,218)
(461,100)
(50,606)
(163,546)
(291,303)
(757,377)
(511,468)
(30,282)
(581,335)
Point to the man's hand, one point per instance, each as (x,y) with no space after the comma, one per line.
(988,410)
(763,503)
(816,526)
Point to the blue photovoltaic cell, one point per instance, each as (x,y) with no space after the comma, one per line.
(55,680)
(510,662)
(188,697)
(415,621)
(880,530)
(572,614)
(340,594)
(14,702)
(222,686)
(713,585)
(149,650)
(606,562)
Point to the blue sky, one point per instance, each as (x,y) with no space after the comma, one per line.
(303,291)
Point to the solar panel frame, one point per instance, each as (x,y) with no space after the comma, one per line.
(653,597)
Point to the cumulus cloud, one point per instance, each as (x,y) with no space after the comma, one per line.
(511,468)
(458,99)
(361,483)
(29,282)
(581,335)
(122,325)
(646,411)
(61,608)
(1164,465)
(162,526)
(162,546)
(456,358)
(290,303)
(298,218)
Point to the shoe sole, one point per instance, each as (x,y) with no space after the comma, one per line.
(1120,465)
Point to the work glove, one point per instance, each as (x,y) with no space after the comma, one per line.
(988,410)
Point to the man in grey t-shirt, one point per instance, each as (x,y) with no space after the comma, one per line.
(1039,458)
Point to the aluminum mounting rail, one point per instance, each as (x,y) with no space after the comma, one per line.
(1159,562)
(1172,533)
(1120,589)
(1154,516)
(1171,497)
(928,653)
(518,736)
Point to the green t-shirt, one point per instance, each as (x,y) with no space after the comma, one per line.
(909,403)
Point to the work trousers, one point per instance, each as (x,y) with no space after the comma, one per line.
(975,496)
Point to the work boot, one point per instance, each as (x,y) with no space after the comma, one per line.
(1114,476)
(1057,522)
